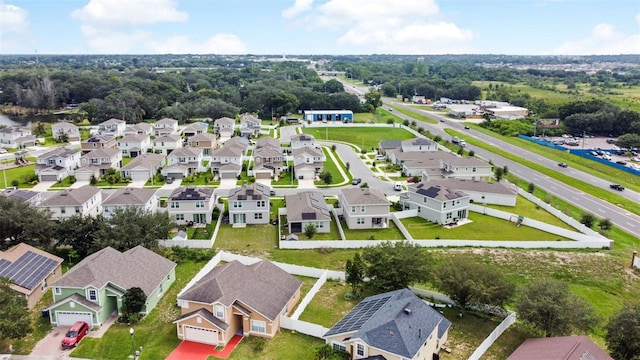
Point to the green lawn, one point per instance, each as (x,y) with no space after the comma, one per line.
(126,160)
(285,180)
(482,228)
(156,333)
(65,183)
(200,179)
(391,232)
(286,345)
(529,210)
(367,137)
(253,237)
(416,114)
(331,167)
(20,174)
(329,305)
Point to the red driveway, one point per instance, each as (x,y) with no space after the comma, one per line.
(196,351)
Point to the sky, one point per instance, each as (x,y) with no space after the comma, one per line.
(332,27)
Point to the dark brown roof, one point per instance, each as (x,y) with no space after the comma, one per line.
(559,348)
(262,287)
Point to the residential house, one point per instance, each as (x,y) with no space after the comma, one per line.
(63,128)
(396,325)
(205,141)
(143,167)
(84,201)
(134,145)
(224,127)
(308,162)
(364,208)
(184,162)
(141,128)
(97,163)
(269,159)
(307,207)
(249,204)
(124,198)
(436,203)
(481,192)
(195,129)
(165,144)
(57,164)
(98,142)
(559,348)
(165,126)
(443,165)
(226,162)
(388,145)
(268,141)
(31,197)
(16,137)
(249,125)
(303,141)
(92,291)
(112,127)
(192,205)
(30,271)
(236,299)
(418,144)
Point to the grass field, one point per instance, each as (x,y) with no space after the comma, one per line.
(390,232)
(364,137)
(19,173)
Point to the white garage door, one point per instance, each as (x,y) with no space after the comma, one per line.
(139,175)
(228,175)
(200,335)
(67,318)
(49,177)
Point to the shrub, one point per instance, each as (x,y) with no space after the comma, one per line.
(15,183)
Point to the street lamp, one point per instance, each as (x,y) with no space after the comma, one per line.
(133,348)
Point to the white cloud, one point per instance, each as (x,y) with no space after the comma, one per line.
(110,13)
(298,7)
(14,26)
(603,39)
(401,27)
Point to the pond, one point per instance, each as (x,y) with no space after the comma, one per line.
(29,119)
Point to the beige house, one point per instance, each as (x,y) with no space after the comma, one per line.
(63,128)
(396,325)
(237,300)
(30,270)
(124,198)
(205,141)
(83,201)
(364,208)
(139,129)
(249,204)
(98,142)
(307,207)
(97,163)
(191,205)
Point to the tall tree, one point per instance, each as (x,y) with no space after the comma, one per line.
(21,222)
(550,306)
(14,314)
(130,227)
(372,99)
(623,333)
(81,233)
(469,282)
(392,266)
(133,302)
(354,272)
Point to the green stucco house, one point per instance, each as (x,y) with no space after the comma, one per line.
(92,290)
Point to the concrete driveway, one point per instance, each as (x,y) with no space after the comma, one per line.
(306,184)
(43,186)
(78,184)
(227,183)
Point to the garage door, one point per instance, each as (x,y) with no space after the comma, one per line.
(49,177)
(263,175)
(67,318)
(139,175)
(200,335)
(227,175)
(175,175)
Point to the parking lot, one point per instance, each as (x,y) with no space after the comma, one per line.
(600,148)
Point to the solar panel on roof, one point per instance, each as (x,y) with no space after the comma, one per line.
(308,216)
(29,270)
(357,317)
(4,264)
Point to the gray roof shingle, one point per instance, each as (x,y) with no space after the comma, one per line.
(129,196)
(301,204)
(364,196)
(71,197)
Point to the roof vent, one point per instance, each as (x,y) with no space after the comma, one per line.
(407,311)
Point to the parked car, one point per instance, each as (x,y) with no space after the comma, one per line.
(76,332)
(397,186)
(563,165)
(617,187)
(272,192)
(168,180)
(356,181)
(3,151)
(467,128)
(621,162)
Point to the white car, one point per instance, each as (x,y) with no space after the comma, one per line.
(3,151)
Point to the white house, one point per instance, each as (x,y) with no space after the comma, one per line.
(224,127)
(57,164)
(165,144)
(123,198)
(195,129)
(192,205)
(139,129)
(165,126)
(16,137)
(63,128)
(481,192)
(436,203)
(303,141)
(134,145)
(184,162)
(84,201)
(364,208)
(308,162)
(143,167)
(112,127)
(249,125)
(96,163)
(418,144)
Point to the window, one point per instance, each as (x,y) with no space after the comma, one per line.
(353,209)
(257,216)
(94,160)
(93,295)
(63,210)
(57,290)
(219,311)
(43,285)
(261,203)
(363,208)
(258,326)
(339,346)
(319,225)
(473,169)
(77,209)
(179,217)
(444,204)
(449,215)
(160,290)
(360,221)
(360,350)
(237,204)
(199,204)
(175,205)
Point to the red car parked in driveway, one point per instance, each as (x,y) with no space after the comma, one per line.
(77,331)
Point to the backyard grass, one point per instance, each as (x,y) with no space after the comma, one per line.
(254,239)
(126,160)
(331,167)
(482,228)
(156,333)
(365,137)
(329,305)
(201,233)
(20,173)
(64,183)
(391,232)
(530,210)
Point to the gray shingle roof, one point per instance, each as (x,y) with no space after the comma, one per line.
(136,267)
(301,204)
(255,191)
(71,197)
(112,121)
(192,193)
(306,150)
(382,321)
(186,151)
(364,196)
(263,287)
(61,152)
(167,121)
(559,348)
(417,141)
(129,196)
(134,138)
(203,137)
(100,153)
(268,141)
(390,144)
(303,137)
(146,161)
(224,120)
(474,185)
(436,191)
(167,138)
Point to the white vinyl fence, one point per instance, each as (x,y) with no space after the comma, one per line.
(495,334)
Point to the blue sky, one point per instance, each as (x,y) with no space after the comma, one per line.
(519,27)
